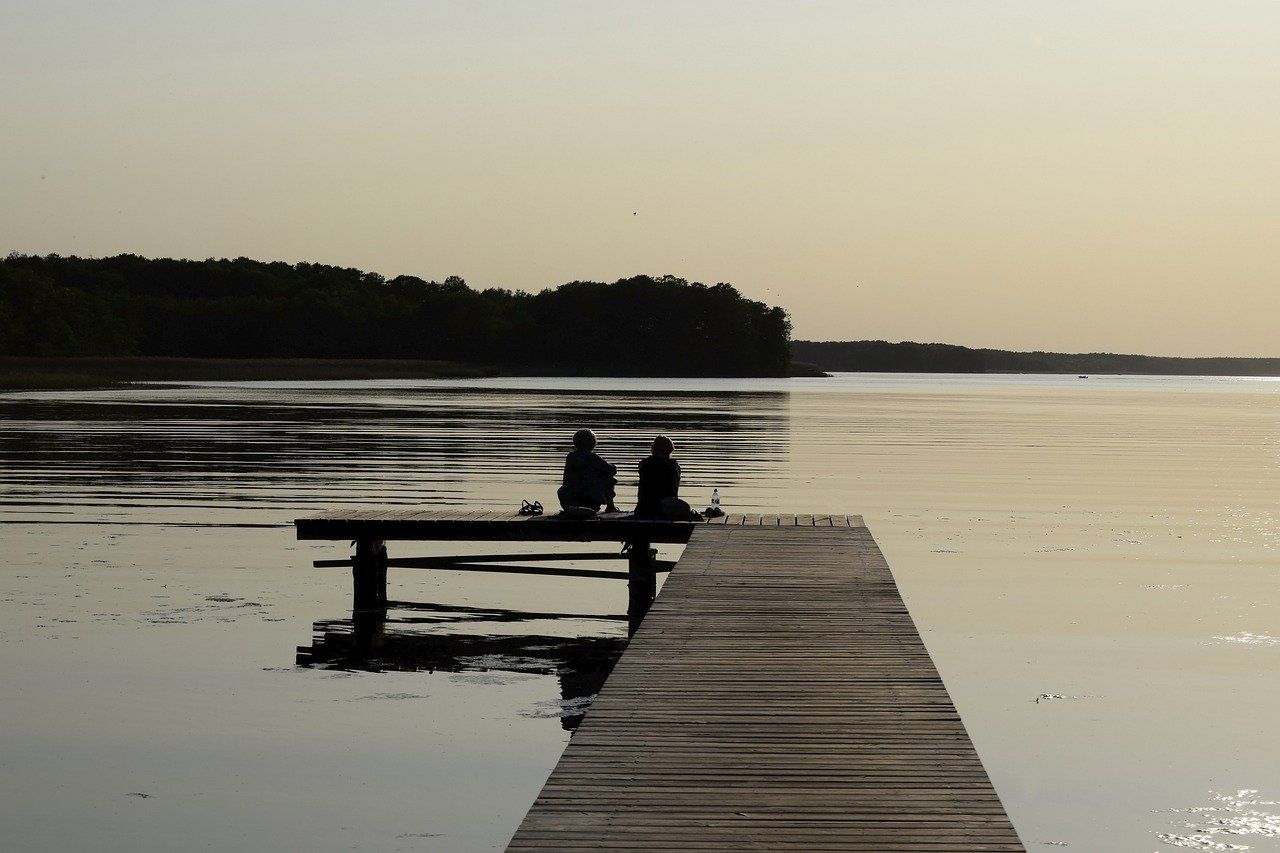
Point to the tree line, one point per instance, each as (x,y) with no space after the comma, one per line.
(56,306)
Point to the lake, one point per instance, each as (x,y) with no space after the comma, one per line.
(1092,563)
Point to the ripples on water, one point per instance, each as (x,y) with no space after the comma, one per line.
(141,452)
(1246,638)
(1238,818)
(120,454)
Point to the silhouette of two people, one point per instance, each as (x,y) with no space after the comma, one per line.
(590,482)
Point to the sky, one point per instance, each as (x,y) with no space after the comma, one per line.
(1083,176)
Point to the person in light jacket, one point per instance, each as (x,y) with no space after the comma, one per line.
(588,481)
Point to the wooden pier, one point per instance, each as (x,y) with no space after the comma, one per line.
(777,695)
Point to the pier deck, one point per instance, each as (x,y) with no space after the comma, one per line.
(776,696)
(482,526)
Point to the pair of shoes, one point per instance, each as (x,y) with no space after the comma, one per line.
(534,508)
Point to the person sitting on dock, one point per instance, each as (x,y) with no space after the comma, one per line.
(659,492)
(588,480)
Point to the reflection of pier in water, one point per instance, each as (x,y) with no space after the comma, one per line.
(440,637)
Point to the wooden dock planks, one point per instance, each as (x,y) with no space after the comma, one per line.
(777,696)
(481,526)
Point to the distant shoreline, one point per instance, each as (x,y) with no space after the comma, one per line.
(911,357)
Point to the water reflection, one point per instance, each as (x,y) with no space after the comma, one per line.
(426,638)
(1086,537)
(246,448)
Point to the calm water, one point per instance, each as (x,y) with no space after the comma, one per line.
(177,676)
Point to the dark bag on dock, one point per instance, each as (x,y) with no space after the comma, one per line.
(674,509)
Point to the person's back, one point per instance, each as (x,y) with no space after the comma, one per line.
(588,480)
(659,479)
(583,469)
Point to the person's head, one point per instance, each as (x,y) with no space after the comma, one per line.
(663,447)
(584,439)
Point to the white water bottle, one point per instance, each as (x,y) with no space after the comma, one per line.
(715,498)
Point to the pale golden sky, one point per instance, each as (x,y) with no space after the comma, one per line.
(1071,176)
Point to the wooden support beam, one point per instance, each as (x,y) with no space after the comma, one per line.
(547,571)
(577,556)
(448,564)
(538,558)
(369,574)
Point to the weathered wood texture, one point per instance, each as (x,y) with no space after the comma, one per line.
(777,696)
(480,526)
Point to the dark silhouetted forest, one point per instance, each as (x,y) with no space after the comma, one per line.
(127,305)
(910,357)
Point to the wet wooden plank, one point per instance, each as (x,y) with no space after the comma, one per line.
(776,697)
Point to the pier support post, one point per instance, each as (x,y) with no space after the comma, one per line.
(642,583)
(369,574)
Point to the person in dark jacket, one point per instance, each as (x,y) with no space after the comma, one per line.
(659,480)
(588,480)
